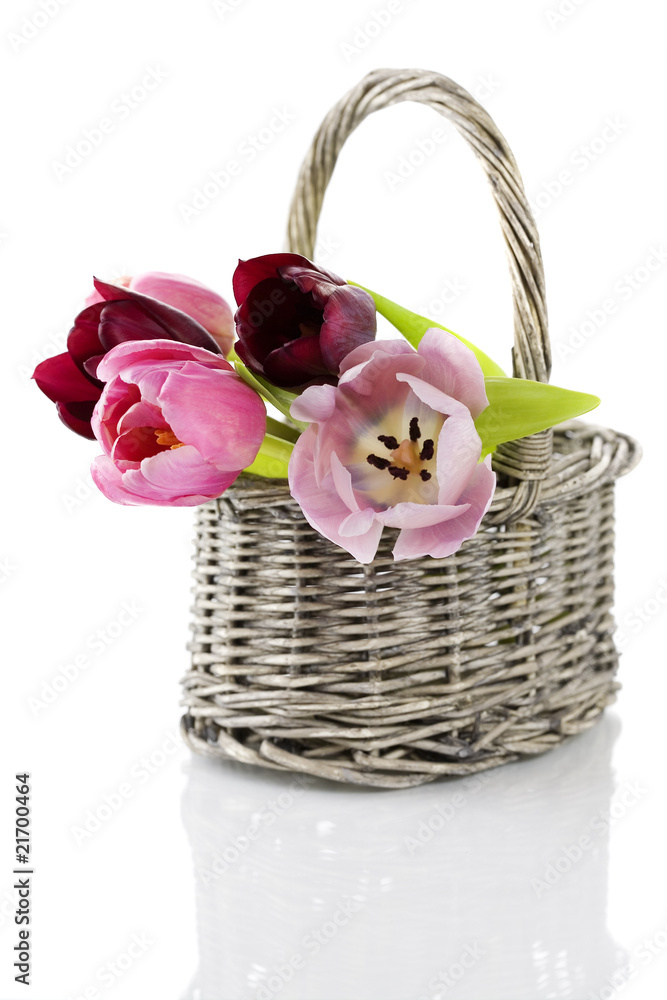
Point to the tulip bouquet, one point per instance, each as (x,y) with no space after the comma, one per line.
(368,432)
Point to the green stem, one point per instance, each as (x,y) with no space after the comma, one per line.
(281,430)
(282,399)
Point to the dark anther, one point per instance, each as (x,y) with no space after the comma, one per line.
(415,433)
(379,463)
(398,473)
(389,442)
(425,475)
(427,452)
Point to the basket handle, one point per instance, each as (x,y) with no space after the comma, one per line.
(527,459)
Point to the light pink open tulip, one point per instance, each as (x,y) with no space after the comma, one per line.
(176,423)
(394,443)
(204,305)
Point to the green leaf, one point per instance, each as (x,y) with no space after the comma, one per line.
(413,327)
(282,399)
(518,407)
(272,458)
(278,429)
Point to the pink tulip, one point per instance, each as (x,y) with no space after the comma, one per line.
(196,300)
(176,423)
(395,444)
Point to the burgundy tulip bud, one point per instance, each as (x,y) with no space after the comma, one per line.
(297,321)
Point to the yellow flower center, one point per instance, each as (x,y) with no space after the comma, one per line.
(168,439)
(397,467)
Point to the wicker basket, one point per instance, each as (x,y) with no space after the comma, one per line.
(393,674)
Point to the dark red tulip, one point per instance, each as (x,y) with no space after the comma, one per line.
(297,321)
(70,380)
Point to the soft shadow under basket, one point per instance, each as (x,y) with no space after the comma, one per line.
(393,674)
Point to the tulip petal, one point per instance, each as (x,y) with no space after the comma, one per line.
(154,351)
(123,321)
(296,362)
(312,280)
(151,381)
(380,369)
(343,483)
(459,450)
(117,397)
(95,297)
(454,369)
(115,486)
(83,341)
(420,515)
(142,414)
(91,365)
(109,480)
(182,471)
(434,397)
(62,380)
(322,505)
(349,321)
(358,522)
(193,298)
(135,444)
(442,539)
(365,352)
(216,412)
(77,416)
(248,273)
(178,326)
(249,354)
(317,402)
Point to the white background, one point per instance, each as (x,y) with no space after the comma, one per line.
(72,561)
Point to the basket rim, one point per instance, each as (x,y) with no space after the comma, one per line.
(602,456)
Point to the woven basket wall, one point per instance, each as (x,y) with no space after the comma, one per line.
(395,673)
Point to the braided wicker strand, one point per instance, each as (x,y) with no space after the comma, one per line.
(394,674)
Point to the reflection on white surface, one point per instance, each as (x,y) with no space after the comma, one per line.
(470,888)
